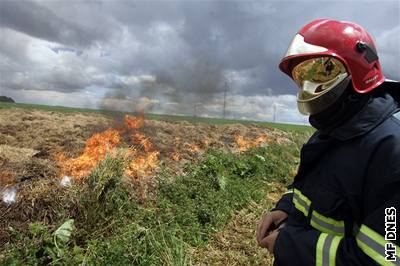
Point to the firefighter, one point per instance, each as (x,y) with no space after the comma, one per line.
(341,207)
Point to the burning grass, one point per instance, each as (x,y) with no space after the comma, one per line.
(96,148)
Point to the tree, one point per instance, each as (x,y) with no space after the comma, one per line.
(6,99)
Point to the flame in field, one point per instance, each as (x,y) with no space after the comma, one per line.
(144,160)
(5,178)
(133,121)
(142,165)
(207,142)
(96,148)
(140,139)
(175,156)
(193,148)
(244,144)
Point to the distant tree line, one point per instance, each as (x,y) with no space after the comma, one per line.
(6,99)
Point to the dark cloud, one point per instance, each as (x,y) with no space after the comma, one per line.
(40,22)
(190,49)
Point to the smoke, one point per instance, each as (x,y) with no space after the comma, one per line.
(165,56)
(198,80)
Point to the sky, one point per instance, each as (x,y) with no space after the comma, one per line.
(172,57)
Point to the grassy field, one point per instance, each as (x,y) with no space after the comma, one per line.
(204,213)
(99,223)
(191,119)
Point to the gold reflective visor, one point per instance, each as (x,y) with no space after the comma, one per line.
(318,70)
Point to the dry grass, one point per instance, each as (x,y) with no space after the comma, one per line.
(236,245)
(14,154)
(29,140)
(38,200)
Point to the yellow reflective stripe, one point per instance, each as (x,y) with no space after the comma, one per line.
(328,220)
(323,229)
(300,207)
(288,192)
(326,224)
(373,244)
(318,221)
(326,250)
(372,254)
(333,250)
(319,250)
(374,235)
(304,198)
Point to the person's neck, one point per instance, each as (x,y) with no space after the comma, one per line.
(349,104)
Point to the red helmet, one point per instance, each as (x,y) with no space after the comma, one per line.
(346,41)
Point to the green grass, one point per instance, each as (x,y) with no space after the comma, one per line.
(191,119)
(111,228)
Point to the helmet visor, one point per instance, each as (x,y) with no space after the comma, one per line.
(316,77)
(321,70)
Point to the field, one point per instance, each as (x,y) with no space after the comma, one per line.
(92,187)
(216,121)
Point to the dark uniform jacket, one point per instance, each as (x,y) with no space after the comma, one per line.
(346,194)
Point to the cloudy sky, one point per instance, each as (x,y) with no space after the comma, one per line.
(175,57)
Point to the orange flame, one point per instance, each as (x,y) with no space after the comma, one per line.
(244,145)
(175,156)
(193,148)
(138,138)
(95,150)
(5,178)
(133,121)
(142,165)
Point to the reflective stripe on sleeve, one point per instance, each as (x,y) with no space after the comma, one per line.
(318,221)
(326,224)
(327,246)
(300,203)
(288,191)
(304,198)
(373,244)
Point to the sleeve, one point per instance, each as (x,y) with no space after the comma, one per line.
(285,203)
(374,242)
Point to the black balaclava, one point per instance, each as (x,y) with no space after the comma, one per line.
(349,104)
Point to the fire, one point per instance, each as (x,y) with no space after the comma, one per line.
(96,148)
(145,160)
(134,122)
(207,142)
(193,148)
(244,145)
(175,156)
(5,178)
(142,165)
(140,139)
(142,159)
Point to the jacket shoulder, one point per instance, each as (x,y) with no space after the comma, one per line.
(390,128)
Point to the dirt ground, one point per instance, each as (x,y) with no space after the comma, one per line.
(29,140)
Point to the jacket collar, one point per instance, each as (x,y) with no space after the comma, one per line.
(371,115)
